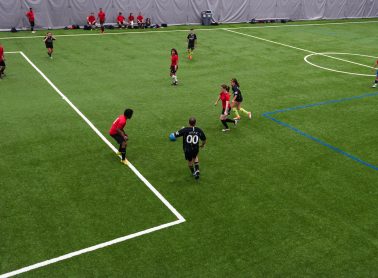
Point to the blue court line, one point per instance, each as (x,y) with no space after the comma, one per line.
(317,140)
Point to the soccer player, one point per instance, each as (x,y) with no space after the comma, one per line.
(237,100)
(2,61)
(121,20)
(91,21)
(30,16)
(192,40)
(191,137)
(101,17)
(140,21)
(174,66)
(131,20)
(224,96)
(118,133)
(376,75)
(49,44)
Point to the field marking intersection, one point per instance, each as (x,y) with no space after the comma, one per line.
(180,218)
(312,53)
(269,115)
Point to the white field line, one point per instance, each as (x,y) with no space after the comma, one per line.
(186,30)
(180,218)
(298,48)
(89,249)
(12,52)
(103,138)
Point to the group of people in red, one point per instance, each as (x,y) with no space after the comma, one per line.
(121,20)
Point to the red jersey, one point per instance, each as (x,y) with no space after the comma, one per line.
(224,97)
(91,19)
(140,18)
(120,18)
(1,53)
(101,16)
(131,18)
(30,15)
(119,123)
(174,60)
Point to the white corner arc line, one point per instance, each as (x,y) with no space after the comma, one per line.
(180,218)
(297,48)
(89,249)
(12,52)
(339,71)
(203,29)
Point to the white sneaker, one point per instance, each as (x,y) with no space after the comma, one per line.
(374,86)
(225,129)
(33,32)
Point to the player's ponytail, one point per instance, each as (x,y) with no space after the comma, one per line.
(235,81)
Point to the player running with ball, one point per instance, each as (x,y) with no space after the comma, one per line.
(191,137)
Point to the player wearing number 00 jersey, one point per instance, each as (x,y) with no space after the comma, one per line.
(192,135)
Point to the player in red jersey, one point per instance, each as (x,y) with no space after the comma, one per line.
(131,20)
(121,20)
(140,21)
(2,61)
(118,133)
(101,18)
(31,18)
(224,96)
(174,66)
(91,21)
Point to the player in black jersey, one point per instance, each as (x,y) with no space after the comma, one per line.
(192,39)
(191,137)
(49,43)
(237,100)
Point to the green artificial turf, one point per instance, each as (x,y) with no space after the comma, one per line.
(270,202)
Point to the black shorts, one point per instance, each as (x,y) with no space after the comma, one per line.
(174,69)
(190,154)
(119,138)
(191,46)
(49,45)
(239,99)
(228,112)
(2,63)
(31,23)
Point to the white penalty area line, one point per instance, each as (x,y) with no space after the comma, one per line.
(297,48)
(180,218)
(186,30)
(89,249)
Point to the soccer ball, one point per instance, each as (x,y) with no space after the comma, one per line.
(172,137)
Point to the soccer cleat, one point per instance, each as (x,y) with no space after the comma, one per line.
(196,174)
(250,115)
(225,129)
(236,123)
(124,161)
(374,85)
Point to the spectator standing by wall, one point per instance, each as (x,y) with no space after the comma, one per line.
(31,18)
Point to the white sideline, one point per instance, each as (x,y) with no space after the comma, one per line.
(297,48)
(186,30)
(180,218)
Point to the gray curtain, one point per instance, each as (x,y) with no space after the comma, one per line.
(60,13)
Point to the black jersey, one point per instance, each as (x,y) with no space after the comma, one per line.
(236,92)
(191,137)
(49,41)
(192,38)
